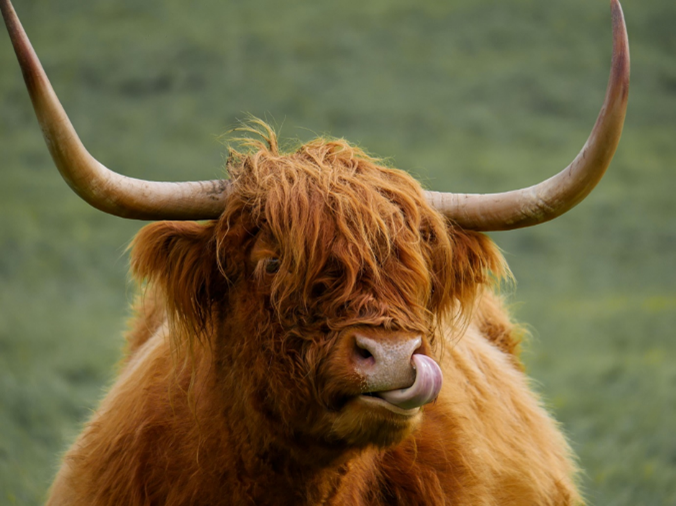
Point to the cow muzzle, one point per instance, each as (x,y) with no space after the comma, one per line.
(396,375)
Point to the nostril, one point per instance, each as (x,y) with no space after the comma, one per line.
(364,353)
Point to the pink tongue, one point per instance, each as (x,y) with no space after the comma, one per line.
(425,388)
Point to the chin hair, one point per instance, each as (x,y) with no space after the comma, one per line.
(357,426)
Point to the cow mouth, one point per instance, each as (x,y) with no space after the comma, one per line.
(409,400)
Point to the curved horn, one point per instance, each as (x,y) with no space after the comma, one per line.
(560,193)
(99,186)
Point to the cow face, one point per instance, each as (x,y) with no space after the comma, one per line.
(319,292)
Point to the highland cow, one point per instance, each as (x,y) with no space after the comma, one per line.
(331,335)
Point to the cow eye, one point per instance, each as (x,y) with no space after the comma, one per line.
(272,265)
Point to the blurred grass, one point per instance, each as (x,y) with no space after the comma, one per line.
(470,96)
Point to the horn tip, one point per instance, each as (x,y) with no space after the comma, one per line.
(620,63)
(28,61)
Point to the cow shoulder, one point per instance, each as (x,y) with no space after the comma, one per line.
(494,322)
(149,315)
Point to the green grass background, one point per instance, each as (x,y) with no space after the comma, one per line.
(468,95)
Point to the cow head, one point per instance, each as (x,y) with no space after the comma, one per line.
(320,289)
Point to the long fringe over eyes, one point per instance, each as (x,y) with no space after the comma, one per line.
(353,232)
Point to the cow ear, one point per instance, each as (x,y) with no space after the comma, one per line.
(179,258)
(477,262)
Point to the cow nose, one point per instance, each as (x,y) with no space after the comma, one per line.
(385,364)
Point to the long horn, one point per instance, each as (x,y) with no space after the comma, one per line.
(560,193)
(99,186)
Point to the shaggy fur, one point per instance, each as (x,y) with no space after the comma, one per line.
(237,388)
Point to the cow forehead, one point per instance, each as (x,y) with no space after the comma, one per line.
(367,234)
